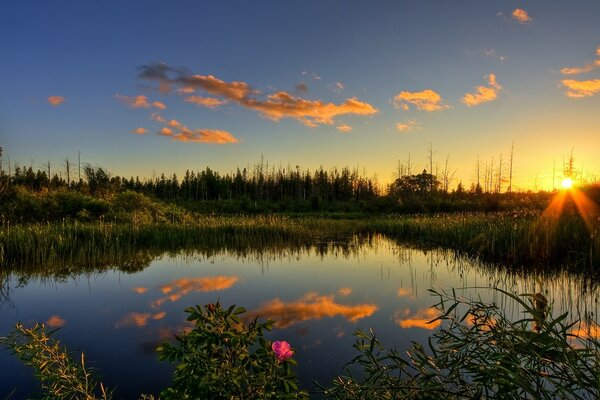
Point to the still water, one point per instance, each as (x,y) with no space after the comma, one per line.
(319,295)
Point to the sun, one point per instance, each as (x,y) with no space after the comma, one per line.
(567,183)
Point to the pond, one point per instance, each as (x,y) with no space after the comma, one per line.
(319,294)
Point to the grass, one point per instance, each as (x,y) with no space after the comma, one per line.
(521,240)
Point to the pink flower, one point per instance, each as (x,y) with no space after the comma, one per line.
(282,350)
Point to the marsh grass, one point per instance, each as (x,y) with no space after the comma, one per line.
(518,240)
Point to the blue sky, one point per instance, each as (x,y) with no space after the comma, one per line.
(325,83)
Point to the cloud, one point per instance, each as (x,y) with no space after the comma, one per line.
(483,94)
(274,106)
(301,87)
(494,54)
(345,291)
(159,105)
(235,91)
(308,112)
(139,131)
(209,102)
(426,100)
(420,319)
(338,87)
(586,68)
(181,133)
(140,290)
(56,321)
(140,101)
(408,126)
(139,319)
(521,16)
(344,128)
(578,89)
(311,306)
(312,75)
(158,118)
(56,100)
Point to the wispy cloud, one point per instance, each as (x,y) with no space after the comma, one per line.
(344,128)
(410,125)
(483,94)
(140,101)
(426,100)
(586,68)
(158,118)
(494,54)
(578,89)
(311,75)
(209,102)
(274,106)
(56,100)
(139,131)
(181,133)
(521,16)
(301,87)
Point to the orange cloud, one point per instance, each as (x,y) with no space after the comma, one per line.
(311,306)
(577,89)
(345,291)
(344,128)
(410,125)
(165,131)
(140,290)
(236,91)
(181,287)
(159,105)
(586,68)
(181,133)
(56,321)
(275,106)
(483,94)
(209,102)
(139,131)
(308,112)
(521,16)
(56,100)
(139,319)
(140,101)
(426,100)
(421,319)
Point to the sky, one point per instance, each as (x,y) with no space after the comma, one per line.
(150,87)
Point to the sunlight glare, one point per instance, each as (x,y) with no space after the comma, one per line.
(567,183)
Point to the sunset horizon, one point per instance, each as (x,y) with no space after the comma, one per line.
(142,91)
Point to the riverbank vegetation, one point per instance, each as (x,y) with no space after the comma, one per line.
(476,353)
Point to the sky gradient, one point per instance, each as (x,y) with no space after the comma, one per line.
(152,87)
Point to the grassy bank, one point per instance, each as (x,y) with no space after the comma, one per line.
(519,240)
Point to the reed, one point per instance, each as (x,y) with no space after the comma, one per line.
(521,241)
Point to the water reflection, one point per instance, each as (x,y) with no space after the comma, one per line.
(56,321)
(318,293)
(422,318)
(311,306)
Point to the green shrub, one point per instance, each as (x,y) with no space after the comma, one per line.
(225,358)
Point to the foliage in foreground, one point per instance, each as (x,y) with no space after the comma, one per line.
(477,353)
(224,358)
(61,377)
